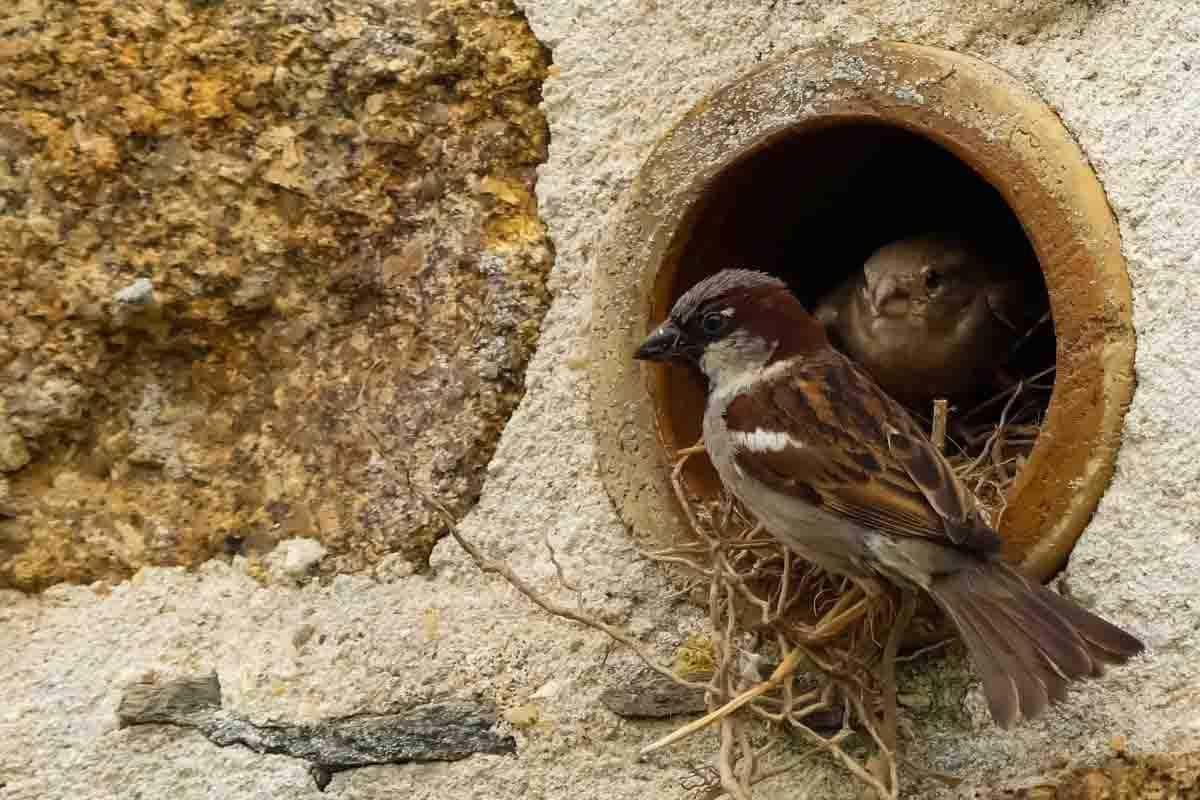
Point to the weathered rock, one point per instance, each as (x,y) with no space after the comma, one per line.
(13,453)
(270,270)
(183,701)
(653,696)
(1125,776)
(434,732)
(294,560)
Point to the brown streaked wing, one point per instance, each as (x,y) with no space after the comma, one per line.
(879,416)
(846,462)
(943,490)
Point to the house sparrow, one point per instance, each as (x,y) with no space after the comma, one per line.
(931,316)
(842,474)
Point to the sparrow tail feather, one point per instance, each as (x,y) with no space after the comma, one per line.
(1026,642)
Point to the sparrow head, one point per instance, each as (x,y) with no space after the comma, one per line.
(733,321)
(930,278)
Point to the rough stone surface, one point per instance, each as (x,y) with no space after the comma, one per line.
(270,270)
(1126,79)
(294,560)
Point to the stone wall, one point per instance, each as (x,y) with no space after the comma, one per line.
(1124,77)
(271,270)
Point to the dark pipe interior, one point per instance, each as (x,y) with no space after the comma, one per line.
(812,206)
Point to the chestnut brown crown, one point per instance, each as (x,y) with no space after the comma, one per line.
(730,301)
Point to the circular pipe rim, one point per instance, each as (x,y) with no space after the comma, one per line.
(983,117)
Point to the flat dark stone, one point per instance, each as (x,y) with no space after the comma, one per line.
(653,697)
(447,731)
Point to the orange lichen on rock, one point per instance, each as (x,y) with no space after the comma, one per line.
(257,285)
(1124,776)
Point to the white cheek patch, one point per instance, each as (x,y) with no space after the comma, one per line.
(736,361)
(763,441)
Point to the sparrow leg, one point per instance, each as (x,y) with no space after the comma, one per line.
(844,605)
(887,667)
(849,608)
(832,625)
(694,450)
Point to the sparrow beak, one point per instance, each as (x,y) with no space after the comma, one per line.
(888,298)
(661,345)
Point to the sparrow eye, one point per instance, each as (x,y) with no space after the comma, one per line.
(714,324)
(932,280)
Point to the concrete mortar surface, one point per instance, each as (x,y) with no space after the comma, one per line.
(1124,77)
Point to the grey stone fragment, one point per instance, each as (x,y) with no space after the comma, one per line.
(294,561)
(137,294)
(447,731)
(131,300)
(653,697)
(187,701)
(435,732)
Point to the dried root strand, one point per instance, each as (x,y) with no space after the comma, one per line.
(987,453)
(941,408)
(500,568)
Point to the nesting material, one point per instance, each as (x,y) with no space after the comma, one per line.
(834,673)
(987,451)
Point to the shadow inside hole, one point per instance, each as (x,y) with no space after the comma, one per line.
(810,207)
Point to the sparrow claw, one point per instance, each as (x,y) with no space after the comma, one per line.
(849,608)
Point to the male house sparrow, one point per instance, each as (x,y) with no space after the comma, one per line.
(931,316)
(839,472)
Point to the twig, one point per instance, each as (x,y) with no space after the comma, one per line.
(940,410)
(1007,391)
(558,570)
(1029,334)
(913,656)
(784,670)
(503,570)
(748,762)
(848,761)
(881,792)
(991,440)
(715,792)
(948,780)
(725,766)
